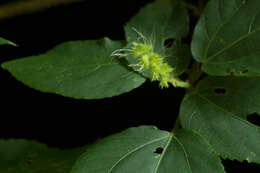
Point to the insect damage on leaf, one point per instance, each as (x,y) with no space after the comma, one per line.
(159,150)
(254,118)
(149,60)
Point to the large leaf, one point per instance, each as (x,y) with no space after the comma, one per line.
(21,156)
(218,110)
(4,41)
(158,22)
(148,150)
(79,69)
(227,38)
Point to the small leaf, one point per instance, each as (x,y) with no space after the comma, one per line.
(158,21)
(4,41)
(21,156)
(148,150)
(218,110)
(79,69)
(227,38)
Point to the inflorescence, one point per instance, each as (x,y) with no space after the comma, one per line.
(149,60)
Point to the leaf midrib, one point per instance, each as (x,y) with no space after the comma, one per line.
(232,44)
(185,153)
(225,111)
(163,153)
(165,149)
(218,30)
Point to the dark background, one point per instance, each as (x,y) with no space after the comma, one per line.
(65,122)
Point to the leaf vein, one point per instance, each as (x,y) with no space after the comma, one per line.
(218,29)
(164,151)
(253,21)
(134,150)
(232,44)
(226,111)
(185,153)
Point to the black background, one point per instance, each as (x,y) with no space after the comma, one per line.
(65,122)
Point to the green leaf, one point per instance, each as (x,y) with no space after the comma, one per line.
(79,69)
(179,57)
(218,110)
(227,38)
(21,156)
(146,149)
(4,41)
(158,21)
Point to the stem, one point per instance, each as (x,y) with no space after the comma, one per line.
(176,125)
(179,83)
(197,10)
(191,7)
(22,7)
(201,6)
(195,72)
(188,5)
(194,75)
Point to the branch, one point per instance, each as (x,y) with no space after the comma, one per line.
(29,6)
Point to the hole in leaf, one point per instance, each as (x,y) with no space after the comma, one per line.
(254,118)
(31,157)
(168,42)
(29,161)
(184,76)
(220,91)
(245,71)
(158,150)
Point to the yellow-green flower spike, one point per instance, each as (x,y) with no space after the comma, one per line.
(140,49)
(149,60)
